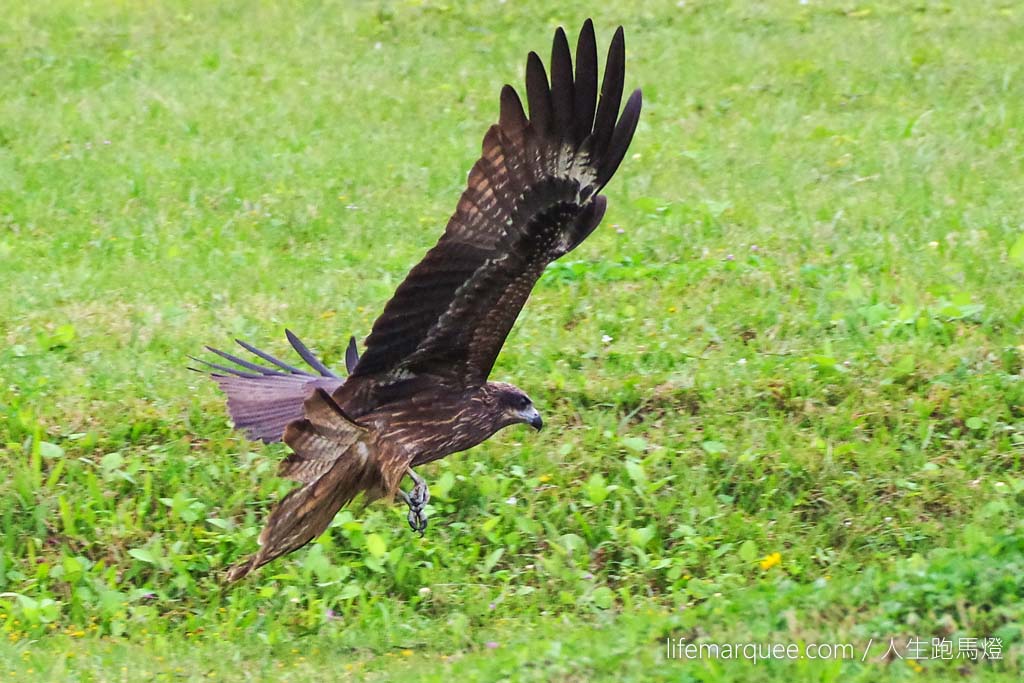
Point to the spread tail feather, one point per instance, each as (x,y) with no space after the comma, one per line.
(263,400)
(327,442)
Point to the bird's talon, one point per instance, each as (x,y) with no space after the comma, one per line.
(420,494)
(417,501)
(417,520)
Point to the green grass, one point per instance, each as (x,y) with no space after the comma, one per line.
(799,331)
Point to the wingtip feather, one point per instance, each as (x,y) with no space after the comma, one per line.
(308,355)
(611,91)
(538,94)
(512,117)
(621,137)
(562,89)
(585,83)
(351,355)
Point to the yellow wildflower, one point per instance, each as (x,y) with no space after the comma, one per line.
(770,561)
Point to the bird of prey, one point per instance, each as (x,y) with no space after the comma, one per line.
(420,390)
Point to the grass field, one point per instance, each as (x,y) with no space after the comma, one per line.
(783,382)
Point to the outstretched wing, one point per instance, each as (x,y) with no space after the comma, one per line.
(532,197)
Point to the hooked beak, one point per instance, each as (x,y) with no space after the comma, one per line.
(533,418)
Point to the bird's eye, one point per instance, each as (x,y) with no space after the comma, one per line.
(524,402)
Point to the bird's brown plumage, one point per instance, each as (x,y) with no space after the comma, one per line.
(420,391)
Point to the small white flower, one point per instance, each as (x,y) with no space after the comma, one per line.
(741,361)
(424,591)
(605,339)
(512,500)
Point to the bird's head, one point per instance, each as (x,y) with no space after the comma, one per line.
(513,406)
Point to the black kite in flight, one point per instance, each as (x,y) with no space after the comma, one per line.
(420,391)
